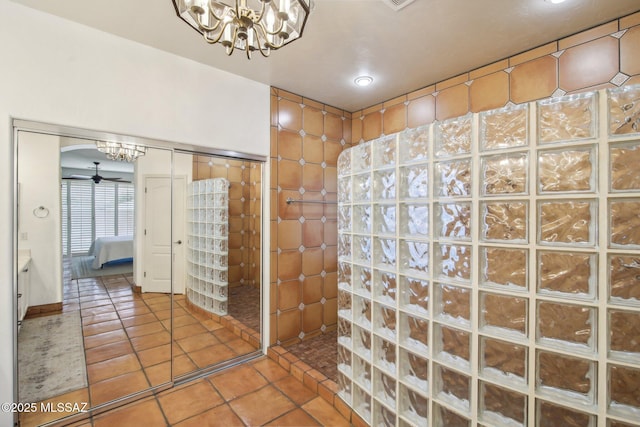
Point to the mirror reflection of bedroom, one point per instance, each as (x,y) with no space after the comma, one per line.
(105,247)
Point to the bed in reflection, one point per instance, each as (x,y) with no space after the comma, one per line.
(111,250)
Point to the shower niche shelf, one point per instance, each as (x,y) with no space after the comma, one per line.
(207,245)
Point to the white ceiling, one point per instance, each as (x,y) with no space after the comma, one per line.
(426,42)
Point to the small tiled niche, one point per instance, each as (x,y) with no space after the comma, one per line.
(489,268)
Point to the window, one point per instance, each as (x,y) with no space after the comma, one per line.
(92,210)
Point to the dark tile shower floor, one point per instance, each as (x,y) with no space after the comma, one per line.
(320,352)
(244,305)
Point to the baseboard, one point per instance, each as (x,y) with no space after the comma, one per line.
(44,310)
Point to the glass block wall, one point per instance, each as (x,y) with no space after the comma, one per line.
(489,268)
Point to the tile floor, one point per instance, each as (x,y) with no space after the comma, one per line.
(257,393)
(127,349)
(320,352)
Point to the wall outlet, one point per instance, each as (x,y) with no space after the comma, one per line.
(24,235)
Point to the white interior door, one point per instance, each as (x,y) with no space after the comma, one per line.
(158,256)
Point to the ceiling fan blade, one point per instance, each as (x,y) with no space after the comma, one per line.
(76,177)
(112,179)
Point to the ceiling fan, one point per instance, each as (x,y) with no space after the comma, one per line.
(95,178)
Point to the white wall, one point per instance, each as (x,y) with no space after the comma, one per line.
(60,72)
(39,179)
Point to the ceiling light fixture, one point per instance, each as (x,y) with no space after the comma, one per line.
(249,25)
(555,1)
(121,151)
(363,81)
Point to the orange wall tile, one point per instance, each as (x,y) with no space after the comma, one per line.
(309,137)
(589,64)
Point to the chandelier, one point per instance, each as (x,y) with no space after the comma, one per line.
(121,151)
(249,25)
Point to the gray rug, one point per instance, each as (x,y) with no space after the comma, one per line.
(50,356)
(81,268)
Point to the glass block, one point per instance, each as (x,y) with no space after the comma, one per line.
(500,406)
(362,280)
(452,387)
(453,179)
(415,295)
(624,394)
(505,221)
(453,220)
(344,162)
(624,222)
(453,261)
(344,275)
(384,152)
(361,342)
(414,370)
(361,372)
(362,311)
(385,321)
(568,170)
(414,257)
(414,145)
(385,287)
(344,304)
(344,360)
(624,279)
(384,355)
(504,128)
(566,378)
(362,403)
(567,118)
(452,304)
(382,416)
(414,182)
(344,247)
(344,190)
(567,274)
(414,406)
(567,326)
(567,222)
(384,253)
(384,388)
(361,187)
(504,267)
(548,414)
(414,333)
(361,157)
(624,335)
(452,346)
(384,184)
(414,220)
(344,332)
(384,219)
(344,387)
(616,423)
(624,110)
(362,221)
(503,314)
(362,246)
(453,136)
(503,361)
(505,174)
(623,169)
(444,417)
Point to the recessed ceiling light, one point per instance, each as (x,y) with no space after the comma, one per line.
(363,80)
(555,1)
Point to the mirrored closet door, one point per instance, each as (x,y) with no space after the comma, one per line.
(131,274)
